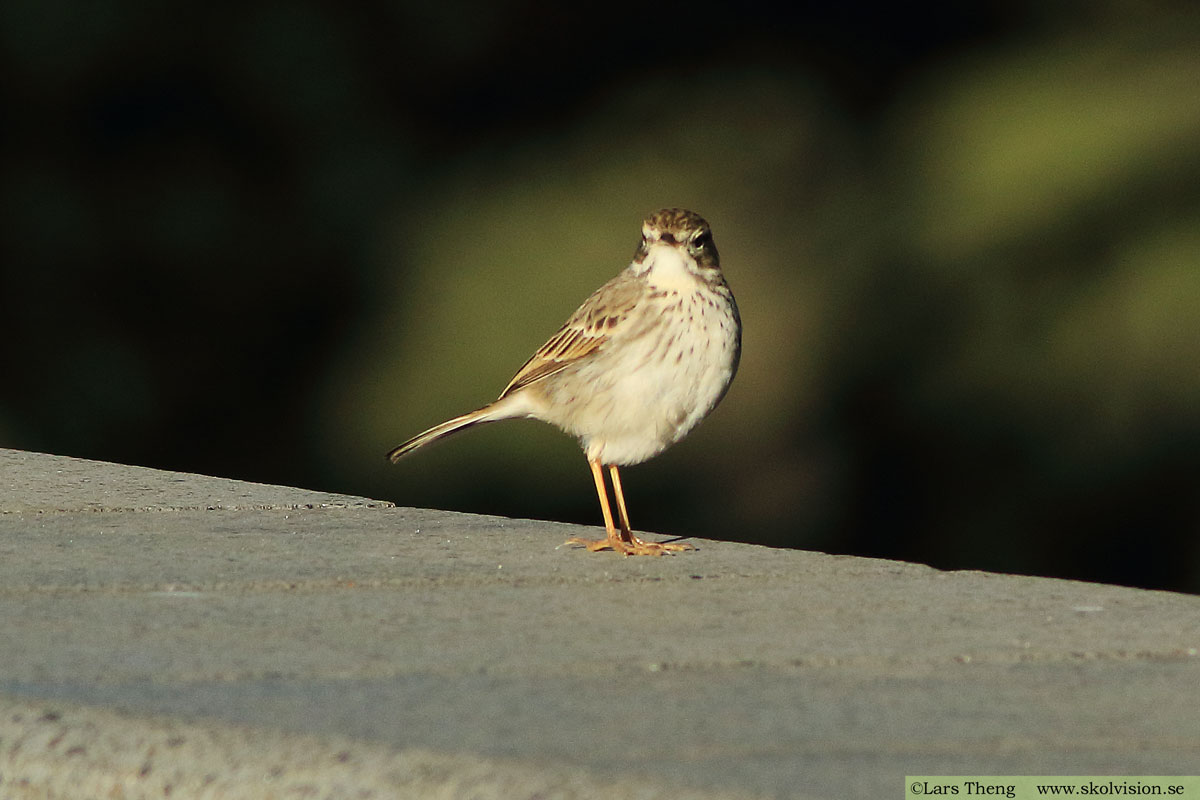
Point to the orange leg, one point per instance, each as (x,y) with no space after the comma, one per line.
(614,540)
(616,482)
(640,546)
(623,541)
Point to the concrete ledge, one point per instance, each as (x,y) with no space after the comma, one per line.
(54,750)
(36,482)
(439,654)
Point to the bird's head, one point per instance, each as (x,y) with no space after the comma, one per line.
(677,235)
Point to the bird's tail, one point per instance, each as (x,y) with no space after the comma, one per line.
(493,412)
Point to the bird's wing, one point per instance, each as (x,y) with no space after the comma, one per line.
(583,335)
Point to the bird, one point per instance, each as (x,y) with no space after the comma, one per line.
(638,365)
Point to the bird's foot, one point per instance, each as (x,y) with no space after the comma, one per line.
(640,547)
(596,545)
(631,547)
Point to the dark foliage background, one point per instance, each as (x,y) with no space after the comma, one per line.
(270,241)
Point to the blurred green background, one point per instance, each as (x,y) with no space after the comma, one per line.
(270,241)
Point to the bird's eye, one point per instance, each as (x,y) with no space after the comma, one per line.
(702,241)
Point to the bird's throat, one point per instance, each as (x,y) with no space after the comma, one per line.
(669,268)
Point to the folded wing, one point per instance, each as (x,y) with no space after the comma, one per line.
(583,335)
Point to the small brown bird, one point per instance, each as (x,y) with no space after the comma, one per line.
(634,369)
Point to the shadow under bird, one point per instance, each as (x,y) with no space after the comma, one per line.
(634,369)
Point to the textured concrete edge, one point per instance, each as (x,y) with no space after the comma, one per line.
(43,483)
(350,504)
(51,749)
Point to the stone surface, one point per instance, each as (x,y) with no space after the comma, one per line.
(480,651)
(36,482)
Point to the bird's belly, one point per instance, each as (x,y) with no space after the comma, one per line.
(649,392)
